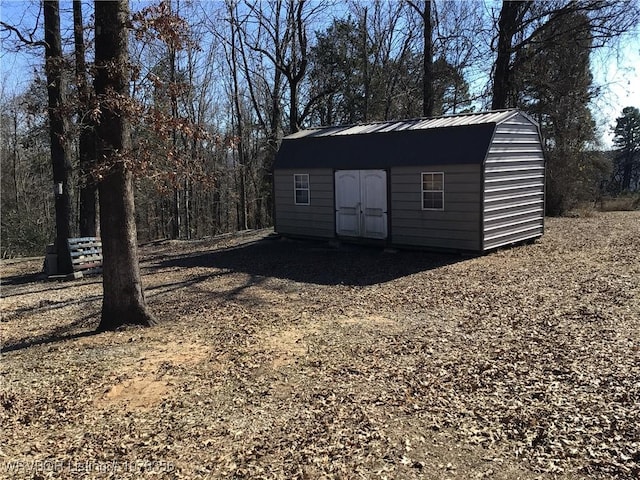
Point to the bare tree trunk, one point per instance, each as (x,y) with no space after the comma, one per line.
(15,158)
(123,298)
(57,132)
(187,208)
(176,212)
(177,225)
(428,100)
(297,67)
(508,25)
(87,142)
(365,65)
(427,81)
(293,107)
(239,133)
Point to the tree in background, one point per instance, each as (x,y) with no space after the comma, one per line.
(388,36)
(123,298)
(162,27)
(451,90)
(519,29)
(460,31)
(337,74)
(240,143)
(28,210)
(364,69)
(428,95)
(510,23)
(67,138)
(557,92)
(542,66)
(373,67)
(58,132)
(349,63)
(626,175)
(86,137)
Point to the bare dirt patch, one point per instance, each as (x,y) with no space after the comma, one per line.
(136,393)
(151,383)
(285,346)
(286,359)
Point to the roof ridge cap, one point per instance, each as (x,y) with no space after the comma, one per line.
(414,119)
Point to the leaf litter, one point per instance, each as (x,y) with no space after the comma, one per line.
(278,358)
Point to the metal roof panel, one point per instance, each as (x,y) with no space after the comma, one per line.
(402,147)
(446,121)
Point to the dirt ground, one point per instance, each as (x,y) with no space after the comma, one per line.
(297,359)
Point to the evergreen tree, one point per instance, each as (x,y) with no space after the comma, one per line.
(354,85)
(337,74)
(627,140)
(556,87)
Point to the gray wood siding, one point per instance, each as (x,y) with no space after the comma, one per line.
(314,220)
(513,199)
(455,227)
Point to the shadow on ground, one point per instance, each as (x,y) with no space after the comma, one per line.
(310,261)
(57,335)
(22,279)
(304,261)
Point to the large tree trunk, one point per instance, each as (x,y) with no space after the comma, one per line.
(123,298)
(293,106)
(87,144)
(428,98)
(508,25)
(59,158)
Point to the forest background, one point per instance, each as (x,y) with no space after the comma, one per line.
(215,85)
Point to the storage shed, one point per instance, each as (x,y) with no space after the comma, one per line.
(471,182)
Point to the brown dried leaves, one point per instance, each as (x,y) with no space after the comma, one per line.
(289,360)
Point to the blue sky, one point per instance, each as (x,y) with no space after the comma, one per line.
(620,76)
(616,71)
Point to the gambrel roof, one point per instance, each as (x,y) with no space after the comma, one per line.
(451,139)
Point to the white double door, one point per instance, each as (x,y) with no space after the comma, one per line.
(361,203)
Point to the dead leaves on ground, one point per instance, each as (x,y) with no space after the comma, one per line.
(524,363)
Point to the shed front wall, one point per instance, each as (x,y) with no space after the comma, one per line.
(457,226)
(513,201)
(314,220)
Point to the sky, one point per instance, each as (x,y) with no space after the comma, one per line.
(619,75)
(616,71)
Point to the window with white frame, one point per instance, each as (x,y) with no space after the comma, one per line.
(433,191)
(301,188)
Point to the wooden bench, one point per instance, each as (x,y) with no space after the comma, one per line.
(86,254)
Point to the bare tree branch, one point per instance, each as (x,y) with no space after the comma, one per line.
(30,42)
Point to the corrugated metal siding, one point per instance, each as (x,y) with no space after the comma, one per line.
(513,200)
(316,219)
(456,227)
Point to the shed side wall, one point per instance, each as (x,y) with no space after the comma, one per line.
(314,220)
(455,227)
(513,201)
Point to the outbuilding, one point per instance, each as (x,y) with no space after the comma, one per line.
(470,182)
